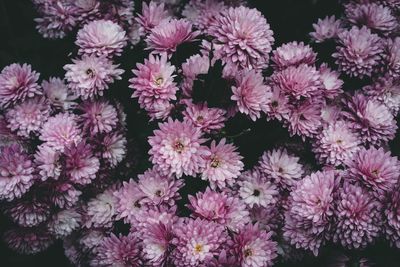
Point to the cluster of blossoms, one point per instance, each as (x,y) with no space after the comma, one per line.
(64,137)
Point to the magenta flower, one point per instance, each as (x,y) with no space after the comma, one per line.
(28,212)
(61,131)
(176,148)
(169,34)
(251,94)
(118,251)
(28,117)
(220,208)
(375,169)
(331,83)
(254,247)
(47,160)
(90,76)
(28,240)
(98,117)
(325,29)
(293,54)
(58,94)
(152,15)
(392,218)
(114,148)
(81,166)
(16,172)
(223,165)
(196,242)
(392,57)
(278,105)
(64,223)
(359,52)
(101,38)
(207,119)
(336,144)
(283,168)
(18,82)
(243,38)
(311,211)
(64,195)
(195,65)
(358,217)
(203,13)
(305,120)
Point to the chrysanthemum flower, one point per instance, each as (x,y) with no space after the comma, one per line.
(243,38)
(18,82)
(375,16)
(101,210)
(371,119)
(392,218)
(28,212)
(336,144)
(195,65)
(28,240)
(61,131)
(375,169)
(156,244)
(196,241)
(386,90)
(359,53)
(16,172)
(114,148)
(325,29)
(129,202)
(293,54)
(251,94)
(331,83)
(152,15)
(278,105)
(159,189)
(220,208)
(176,148)
(47,160)
(202,13)
(255,247)
(256,190)
(298,82)
(283,168)
(305,120)
(81,166)
(205,118)
(64,195)
(223,165)
(358,217)
(64,223)
(310,213)
(154,84)
(392,57)
(118,251)
(90,76)
(90,239)
(269,219)
(166,36)
(28,117)
(102,38)
(58,94)
(98,116)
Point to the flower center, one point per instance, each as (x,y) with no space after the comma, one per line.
(200,119)
(158,193)
(274,104)
(215,162)
(280,170)
(339,141)
(159,81)
(90,73)
(248,252)
(198,248)
(137,204)
(178,147)
(375,172)
(256,192)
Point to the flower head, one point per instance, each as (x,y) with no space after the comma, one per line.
(28,240)
(58,94)
(325,29)
(64,223)
(205,118)
(98,116)
(152,15)
(293,54)
(28,212)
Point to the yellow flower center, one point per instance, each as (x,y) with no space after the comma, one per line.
(248,252)
(159,81)
(198,248)
(178,147)
(215,162)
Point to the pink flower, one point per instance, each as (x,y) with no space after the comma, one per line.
(375,169)
(81,166)
(64,195)
(278,105)
(64,223)
(48,162)
(28,212)
(325,29)
(154,85)
(176,148)
(61,131)
(195,65)
(305,120)
(18,82)
(298,82)
(101,38)
(251,94)
(358,217)
(256,190)
(254,247)
(118,251)
(28,240)
(202,13)
(98,116)
(293,54)
(331,83)
(169,34)
(28,117)
(152,15)
(113,148)
(16,172)
(58,94)
(392,57)
(220,208)
(359,53)
(205,118)
(90,76)
(283,168)
(196,242)
(243,38)
(223,165)
(392,218)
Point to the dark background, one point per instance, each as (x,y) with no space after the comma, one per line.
(289,19)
